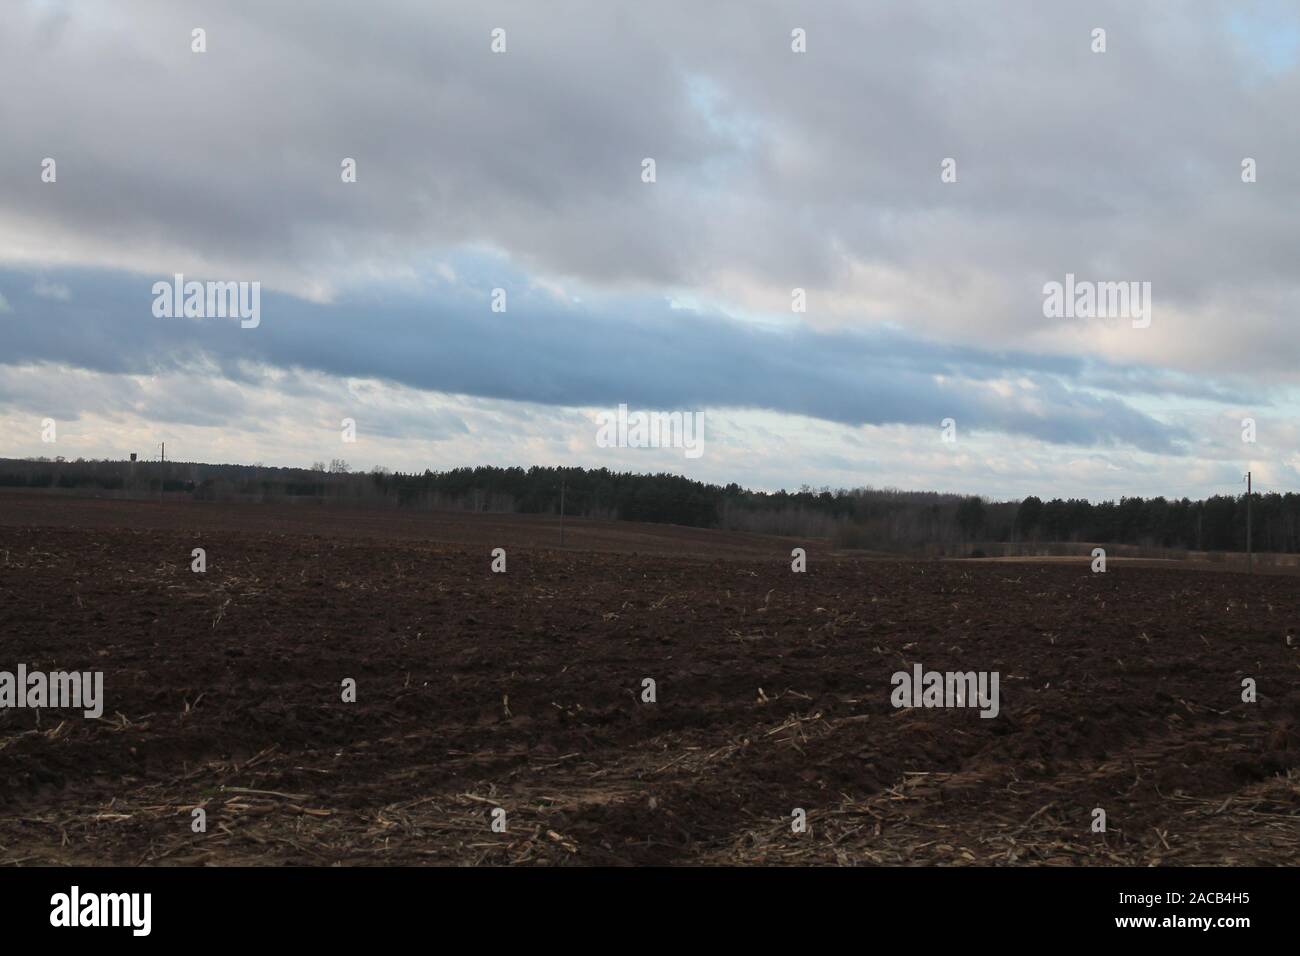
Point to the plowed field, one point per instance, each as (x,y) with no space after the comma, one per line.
(525,691)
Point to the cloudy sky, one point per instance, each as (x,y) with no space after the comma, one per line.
(774,170)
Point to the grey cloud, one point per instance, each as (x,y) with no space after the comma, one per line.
(1116,166)
(540,352)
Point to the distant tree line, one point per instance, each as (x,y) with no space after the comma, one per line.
(1214,524)
(876,519)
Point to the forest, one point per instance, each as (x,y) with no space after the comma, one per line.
(867,518)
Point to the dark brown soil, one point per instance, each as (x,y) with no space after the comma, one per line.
(523,691)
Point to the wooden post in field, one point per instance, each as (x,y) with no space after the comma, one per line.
(561,512)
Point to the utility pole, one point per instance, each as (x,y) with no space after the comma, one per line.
(561,512)
(162,469)
(1250,558)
